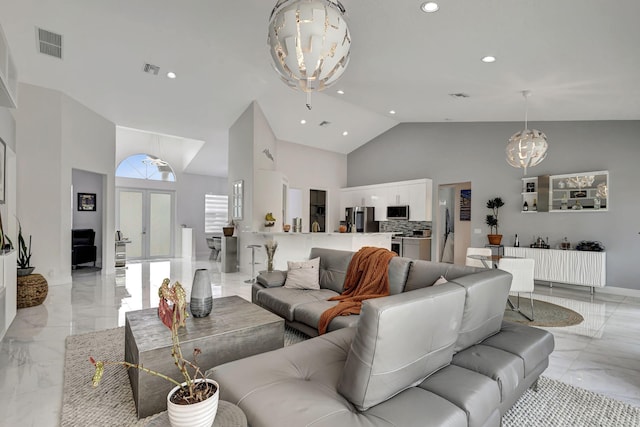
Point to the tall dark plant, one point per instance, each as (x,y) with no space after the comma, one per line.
(24,251)
(492,219)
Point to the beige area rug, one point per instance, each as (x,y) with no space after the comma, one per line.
(545,314)
(111,404)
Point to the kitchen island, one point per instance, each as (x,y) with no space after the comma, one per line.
(297,246)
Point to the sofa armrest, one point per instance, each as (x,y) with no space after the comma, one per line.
(272,279)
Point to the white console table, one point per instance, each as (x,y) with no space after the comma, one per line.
(583,268)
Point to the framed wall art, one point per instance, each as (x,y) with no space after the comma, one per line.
(86,201)
(465,205)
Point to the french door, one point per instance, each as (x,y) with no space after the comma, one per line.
(146,218)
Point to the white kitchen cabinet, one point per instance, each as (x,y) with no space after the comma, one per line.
(397,194)
(417,194)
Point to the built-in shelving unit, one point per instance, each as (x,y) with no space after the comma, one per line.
(535,194)
(579,192)
(574,192)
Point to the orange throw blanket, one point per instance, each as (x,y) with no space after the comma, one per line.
(367,277)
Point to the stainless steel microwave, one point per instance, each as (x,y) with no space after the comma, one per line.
(398,212)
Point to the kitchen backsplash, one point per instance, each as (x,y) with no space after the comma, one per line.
(402,226)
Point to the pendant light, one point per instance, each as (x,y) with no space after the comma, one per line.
(526,148)
(309,42)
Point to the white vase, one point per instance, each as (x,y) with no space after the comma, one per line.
(201,414)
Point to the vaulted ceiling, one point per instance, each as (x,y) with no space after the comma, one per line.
(579,58)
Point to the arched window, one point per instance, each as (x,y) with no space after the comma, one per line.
(145,166)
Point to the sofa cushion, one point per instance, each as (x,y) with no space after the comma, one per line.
(486,299)
(310,313)
(388,356)
(398,273)
(303,274)
(425,273)
(333,267)
(532,345)
(283,301)
(272,279)
(505,368)
(474,393)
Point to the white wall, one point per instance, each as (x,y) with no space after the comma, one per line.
(311,168)
(190,205)
(56,134)
(458,152)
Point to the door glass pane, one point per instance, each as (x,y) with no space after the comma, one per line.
(159,224)
(131,221)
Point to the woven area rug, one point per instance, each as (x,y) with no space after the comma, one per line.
(111,404)
(545,314)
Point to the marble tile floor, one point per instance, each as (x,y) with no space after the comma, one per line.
(600,355)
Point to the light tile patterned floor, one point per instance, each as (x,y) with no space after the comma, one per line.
(600,355)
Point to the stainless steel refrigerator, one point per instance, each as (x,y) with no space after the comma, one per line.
(362,218)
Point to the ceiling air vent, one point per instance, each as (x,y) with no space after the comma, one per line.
(49,43)
(151,69)
(324,123)
(459,95)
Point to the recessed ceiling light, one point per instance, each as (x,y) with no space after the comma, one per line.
(489,59)
(303,121)
(171,75)
(392,111)
(345,133)
(429,7)
(340,92)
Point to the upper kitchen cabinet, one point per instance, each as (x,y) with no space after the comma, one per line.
(579,192)
(420,196)
(417,194)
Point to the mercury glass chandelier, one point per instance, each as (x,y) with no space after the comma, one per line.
(526,148)
(309,42)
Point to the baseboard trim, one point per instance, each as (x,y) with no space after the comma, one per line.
(611,290)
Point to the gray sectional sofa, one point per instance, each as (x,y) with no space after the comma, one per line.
(424,356)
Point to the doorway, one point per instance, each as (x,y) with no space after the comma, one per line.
(146,218)
(454,222)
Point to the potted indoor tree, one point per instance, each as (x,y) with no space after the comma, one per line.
(492,220)
(24,254)
(194,401)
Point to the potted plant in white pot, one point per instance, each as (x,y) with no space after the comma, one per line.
(193,402)
(492,220)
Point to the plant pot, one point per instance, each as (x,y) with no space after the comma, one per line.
(227,231)
(494,239)
(201,414)
(25,271)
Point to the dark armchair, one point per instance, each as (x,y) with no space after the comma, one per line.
(83,247)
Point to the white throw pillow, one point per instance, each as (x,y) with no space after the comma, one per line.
(441,280)
(303,274)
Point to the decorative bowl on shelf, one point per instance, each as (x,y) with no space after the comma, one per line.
(269,223)
(286,228)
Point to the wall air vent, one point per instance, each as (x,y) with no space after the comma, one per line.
(459,95)
(49,43)
(324,123)
(151,69)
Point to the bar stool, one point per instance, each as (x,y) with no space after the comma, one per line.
(253,263)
